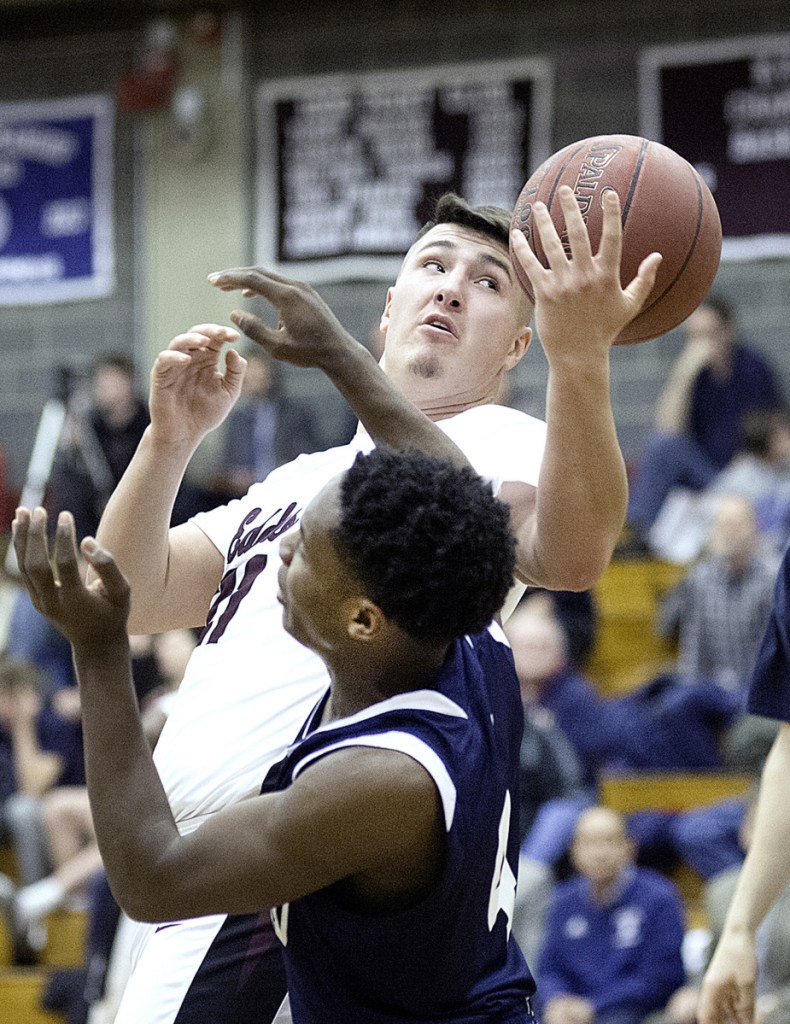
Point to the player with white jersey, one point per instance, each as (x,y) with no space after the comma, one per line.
(456,321)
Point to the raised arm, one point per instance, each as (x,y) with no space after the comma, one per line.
(173,573)
(309,334)
(568,528)
(273,848)
(674,403)
(728,989)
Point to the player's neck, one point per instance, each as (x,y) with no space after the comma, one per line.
(360,684)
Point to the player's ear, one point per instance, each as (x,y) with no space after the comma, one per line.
(365,619)
(519,347)
(385,316)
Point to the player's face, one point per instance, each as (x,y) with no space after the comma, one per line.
(456,320)
(313,581)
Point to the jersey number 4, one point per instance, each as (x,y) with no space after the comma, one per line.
(503,884)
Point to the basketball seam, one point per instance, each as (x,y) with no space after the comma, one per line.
(634,180)
(689,254)
(554,187)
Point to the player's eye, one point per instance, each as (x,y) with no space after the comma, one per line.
(435,264)
(490,282)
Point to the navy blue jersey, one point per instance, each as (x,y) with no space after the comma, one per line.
(451,957)
(769,693)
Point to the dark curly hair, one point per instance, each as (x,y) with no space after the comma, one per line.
(429,541)
(486,220)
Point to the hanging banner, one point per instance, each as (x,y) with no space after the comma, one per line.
(349,166)
(725,106)
(56,241)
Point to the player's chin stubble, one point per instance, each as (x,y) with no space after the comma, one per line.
(425,366)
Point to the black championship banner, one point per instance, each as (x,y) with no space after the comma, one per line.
(348,166)
(725,106)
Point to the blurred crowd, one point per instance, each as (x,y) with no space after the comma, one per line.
(599,915)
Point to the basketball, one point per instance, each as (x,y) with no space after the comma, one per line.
(665,206)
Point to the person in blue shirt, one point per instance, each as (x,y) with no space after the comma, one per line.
(611,954)
(714,384)
(386,838)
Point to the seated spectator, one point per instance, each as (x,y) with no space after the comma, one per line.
(98,441)
(71,840)
(577,614)
(720,611)
(759,473)
(548,681)
(612,952)
(30,764)
(265,428)
(716,381)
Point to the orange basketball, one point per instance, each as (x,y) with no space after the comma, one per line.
(666,207)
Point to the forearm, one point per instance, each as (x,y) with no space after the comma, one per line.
(386,414)
(135,525)
(36,769)
(582,490)
(673,408)
(134,825)
(766,869)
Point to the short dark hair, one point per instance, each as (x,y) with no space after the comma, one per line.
(429,541)
(115,361)
(487,220)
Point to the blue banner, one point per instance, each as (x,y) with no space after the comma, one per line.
(56,240)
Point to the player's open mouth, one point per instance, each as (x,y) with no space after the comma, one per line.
(442,325)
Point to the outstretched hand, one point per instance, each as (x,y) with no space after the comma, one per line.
(729,985)
(91,616)
(308,333)
(580,302)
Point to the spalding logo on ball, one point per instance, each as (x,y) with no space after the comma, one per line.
(666,207)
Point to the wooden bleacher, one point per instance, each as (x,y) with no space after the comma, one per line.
(628,651)
(21,987)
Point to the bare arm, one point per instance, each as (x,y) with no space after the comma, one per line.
(369,815)
(568,528)
(36,769)
(173,573)
(310,335)
(674,403)
(729,985)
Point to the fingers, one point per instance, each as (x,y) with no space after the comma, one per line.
(208,338)
(576,229)
(610,247)
(641,286)
(65,552)
(255,328)
(253,281)
(32,552)
(104,565)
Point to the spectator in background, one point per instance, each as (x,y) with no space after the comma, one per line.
(576,612)
(720,611)
(98,442)
(612,952)
(559,757)
(721,607)
(264,430)
(715,382)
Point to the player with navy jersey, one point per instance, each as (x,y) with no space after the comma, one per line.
(729,986)
(466,734)
(385,840)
